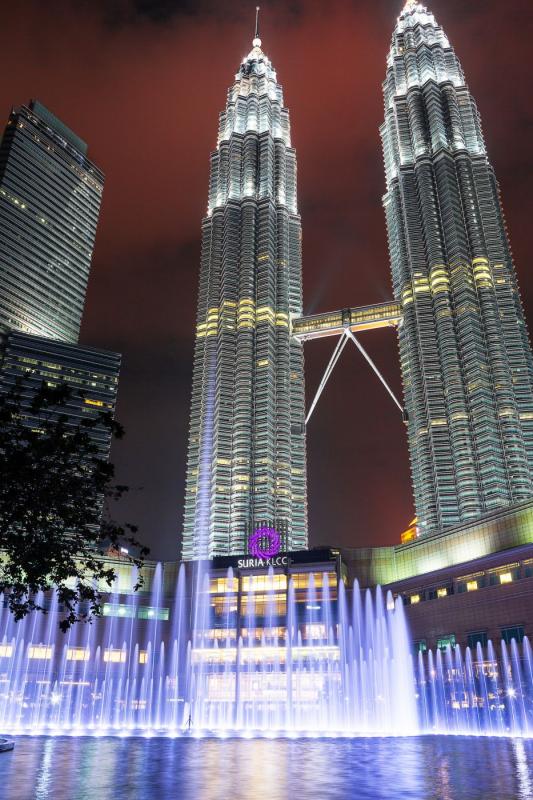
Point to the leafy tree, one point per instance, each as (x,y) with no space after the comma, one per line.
(54,484)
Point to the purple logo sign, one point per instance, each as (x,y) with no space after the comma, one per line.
(264,542)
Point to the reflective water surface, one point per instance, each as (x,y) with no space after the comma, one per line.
(416,768)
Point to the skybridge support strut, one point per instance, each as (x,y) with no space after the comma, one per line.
(362,350)
(339,347)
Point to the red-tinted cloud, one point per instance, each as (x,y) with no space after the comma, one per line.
(143,84)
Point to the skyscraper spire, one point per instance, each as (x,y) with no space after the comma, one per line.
(257,9)
(466,360)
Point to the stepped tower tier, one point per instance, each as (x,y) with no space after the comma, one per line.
(246,459)
(465,355)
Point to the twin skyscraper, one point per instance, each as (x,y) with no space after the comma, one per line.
(466,359)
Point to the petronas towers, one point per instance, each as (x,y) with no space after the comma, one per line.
(466,360)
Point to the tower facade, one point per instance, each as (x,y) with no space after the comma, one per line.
(50,196)
(246,459)
(466,360)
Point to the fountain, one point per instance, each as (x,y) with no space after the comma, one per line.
(269,653)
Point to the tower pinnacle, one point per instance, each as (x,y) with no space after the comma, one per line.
(257,41)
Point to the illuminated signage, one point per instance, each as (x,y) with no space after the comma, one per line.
(264,543)
(253,563)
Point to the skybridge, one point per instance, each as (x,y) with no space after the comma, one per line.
(334,323)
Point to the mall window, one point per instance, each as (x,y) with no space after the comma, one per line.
(224,633)
(263,605)
(222,585)
(446,641)
(118,610)
(314,631)
(470,583)
(514,632)
(6,650)
(302,580)
(263,582)
(143,656)
(115,656)
(505,574)
(478,637)
(39,651)
(224,606)
(441,591)
(146,612)
(78,654)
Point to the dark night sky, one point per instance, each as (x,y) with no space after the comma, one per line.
(143,82)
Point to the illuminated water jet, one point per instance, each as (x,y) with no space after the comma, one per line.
(267,654)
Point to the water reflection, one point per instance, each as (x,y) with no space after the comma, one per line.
(432,768)
(525,783)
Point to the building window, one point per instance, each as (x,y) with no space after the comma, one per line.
(251,583)
(78,654)
(515,632)
(441,591)
(302,580)
(471,586)
(446,641)
(507,576)
(146,612)
(143,656)
(6,650)
(415,598)
(222,585)
(478,637)
(115,656)
(118,610)
(39,651)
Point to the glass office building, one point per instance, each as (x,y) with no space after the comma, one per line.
(91,374)
(465,354)
(50,196)
(246,458)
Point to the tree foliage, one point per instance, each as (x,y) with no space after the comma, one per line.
(54,484)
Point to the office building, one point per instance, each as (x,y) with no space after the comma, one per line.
(50,196)
(91,375)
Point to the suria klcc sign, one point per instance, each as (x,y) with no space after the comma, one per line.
(264,544)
